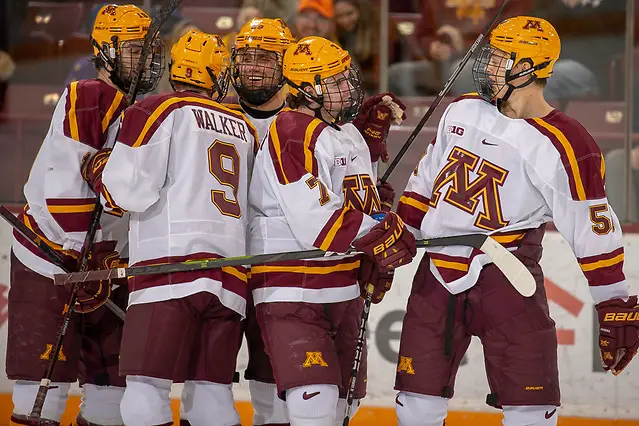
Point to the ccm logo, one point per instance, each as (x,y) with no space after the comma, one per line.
(456,130)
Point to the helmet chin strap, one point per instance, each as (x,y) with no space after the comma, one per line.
(318,99)
(512,88)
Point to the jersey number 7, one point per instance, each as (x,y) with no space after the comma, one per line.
(224,162)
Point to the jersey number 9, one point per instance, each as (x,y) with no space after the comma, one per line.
(224,162)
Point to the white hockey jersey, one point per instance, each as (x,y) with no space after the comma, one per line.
(487,173)
(181,168)
(59,202)
(313,187)
(261,120)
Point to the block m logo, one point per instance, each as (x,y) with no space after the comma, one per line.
(465,195)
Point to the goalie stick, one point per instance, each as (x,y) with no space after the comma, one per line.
(518,275)
(391,167)
(94,224)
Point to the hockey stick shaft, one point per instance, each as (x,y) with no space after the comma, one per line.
(359,349)
(51,255)
(473,240)
(441,95)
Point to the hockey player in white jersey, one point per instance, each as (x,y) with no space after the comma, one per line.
(313,186)
(505,163)
(58,210)
(180,167)
(256,75)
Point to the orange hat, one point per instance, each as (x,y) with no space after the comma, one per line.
(323,7)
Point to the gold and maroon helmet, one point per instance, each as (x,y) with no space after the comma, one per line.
(326,68)
(117,37)
(201,60)
(522,39)
(257,59)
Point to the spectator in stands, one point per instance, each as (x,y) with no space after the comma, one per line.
(7,67)
(357,23)
(446,31)
(592,33)
(283,9)
(315,18)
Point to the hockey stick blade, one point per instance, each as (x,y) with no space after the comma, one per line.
(503,259)
(515,271)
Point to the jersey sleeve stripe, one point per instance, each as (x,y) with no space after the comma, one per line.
(412,199)
(71,209)
(601,261)
(335,223)
(108,117)
(567,154)
(412,208)
(309,140)
(276,149)
(72,115)
(340,230)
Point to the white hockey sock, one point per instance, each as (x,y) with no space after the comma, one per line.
(24,395)
(146,401)
(268,407)
(530,415)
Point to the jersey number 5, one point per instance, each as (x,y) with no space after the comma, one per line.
(601,223)
(224,162)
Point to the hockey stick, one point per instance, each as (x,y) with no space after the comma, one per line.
(510,266)
(94,224)
(440,96)
(359,349)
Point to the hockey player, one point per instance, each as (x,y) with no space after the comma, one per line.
(58,210)
(257,77)
(180,167)
(313,185)
(504,162)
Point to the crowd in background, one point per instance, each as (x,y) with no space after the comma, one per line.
(421,55)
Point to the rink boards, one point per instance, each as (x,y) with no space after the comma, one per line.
(590,395)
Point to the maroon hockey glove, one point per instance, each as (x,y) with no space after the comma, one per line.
(93,294)
(388,242)
(374,120)
(369,273)
(92,168)
(618,332)
(386,195)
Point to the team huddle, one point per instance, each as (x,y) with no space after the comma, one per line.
(183,176)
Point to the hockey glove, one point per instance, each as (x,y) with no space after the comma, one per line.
(93,294)
(374,120)
(92,168)
(618,332)
(389,243)
(386,195)
(369,273)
